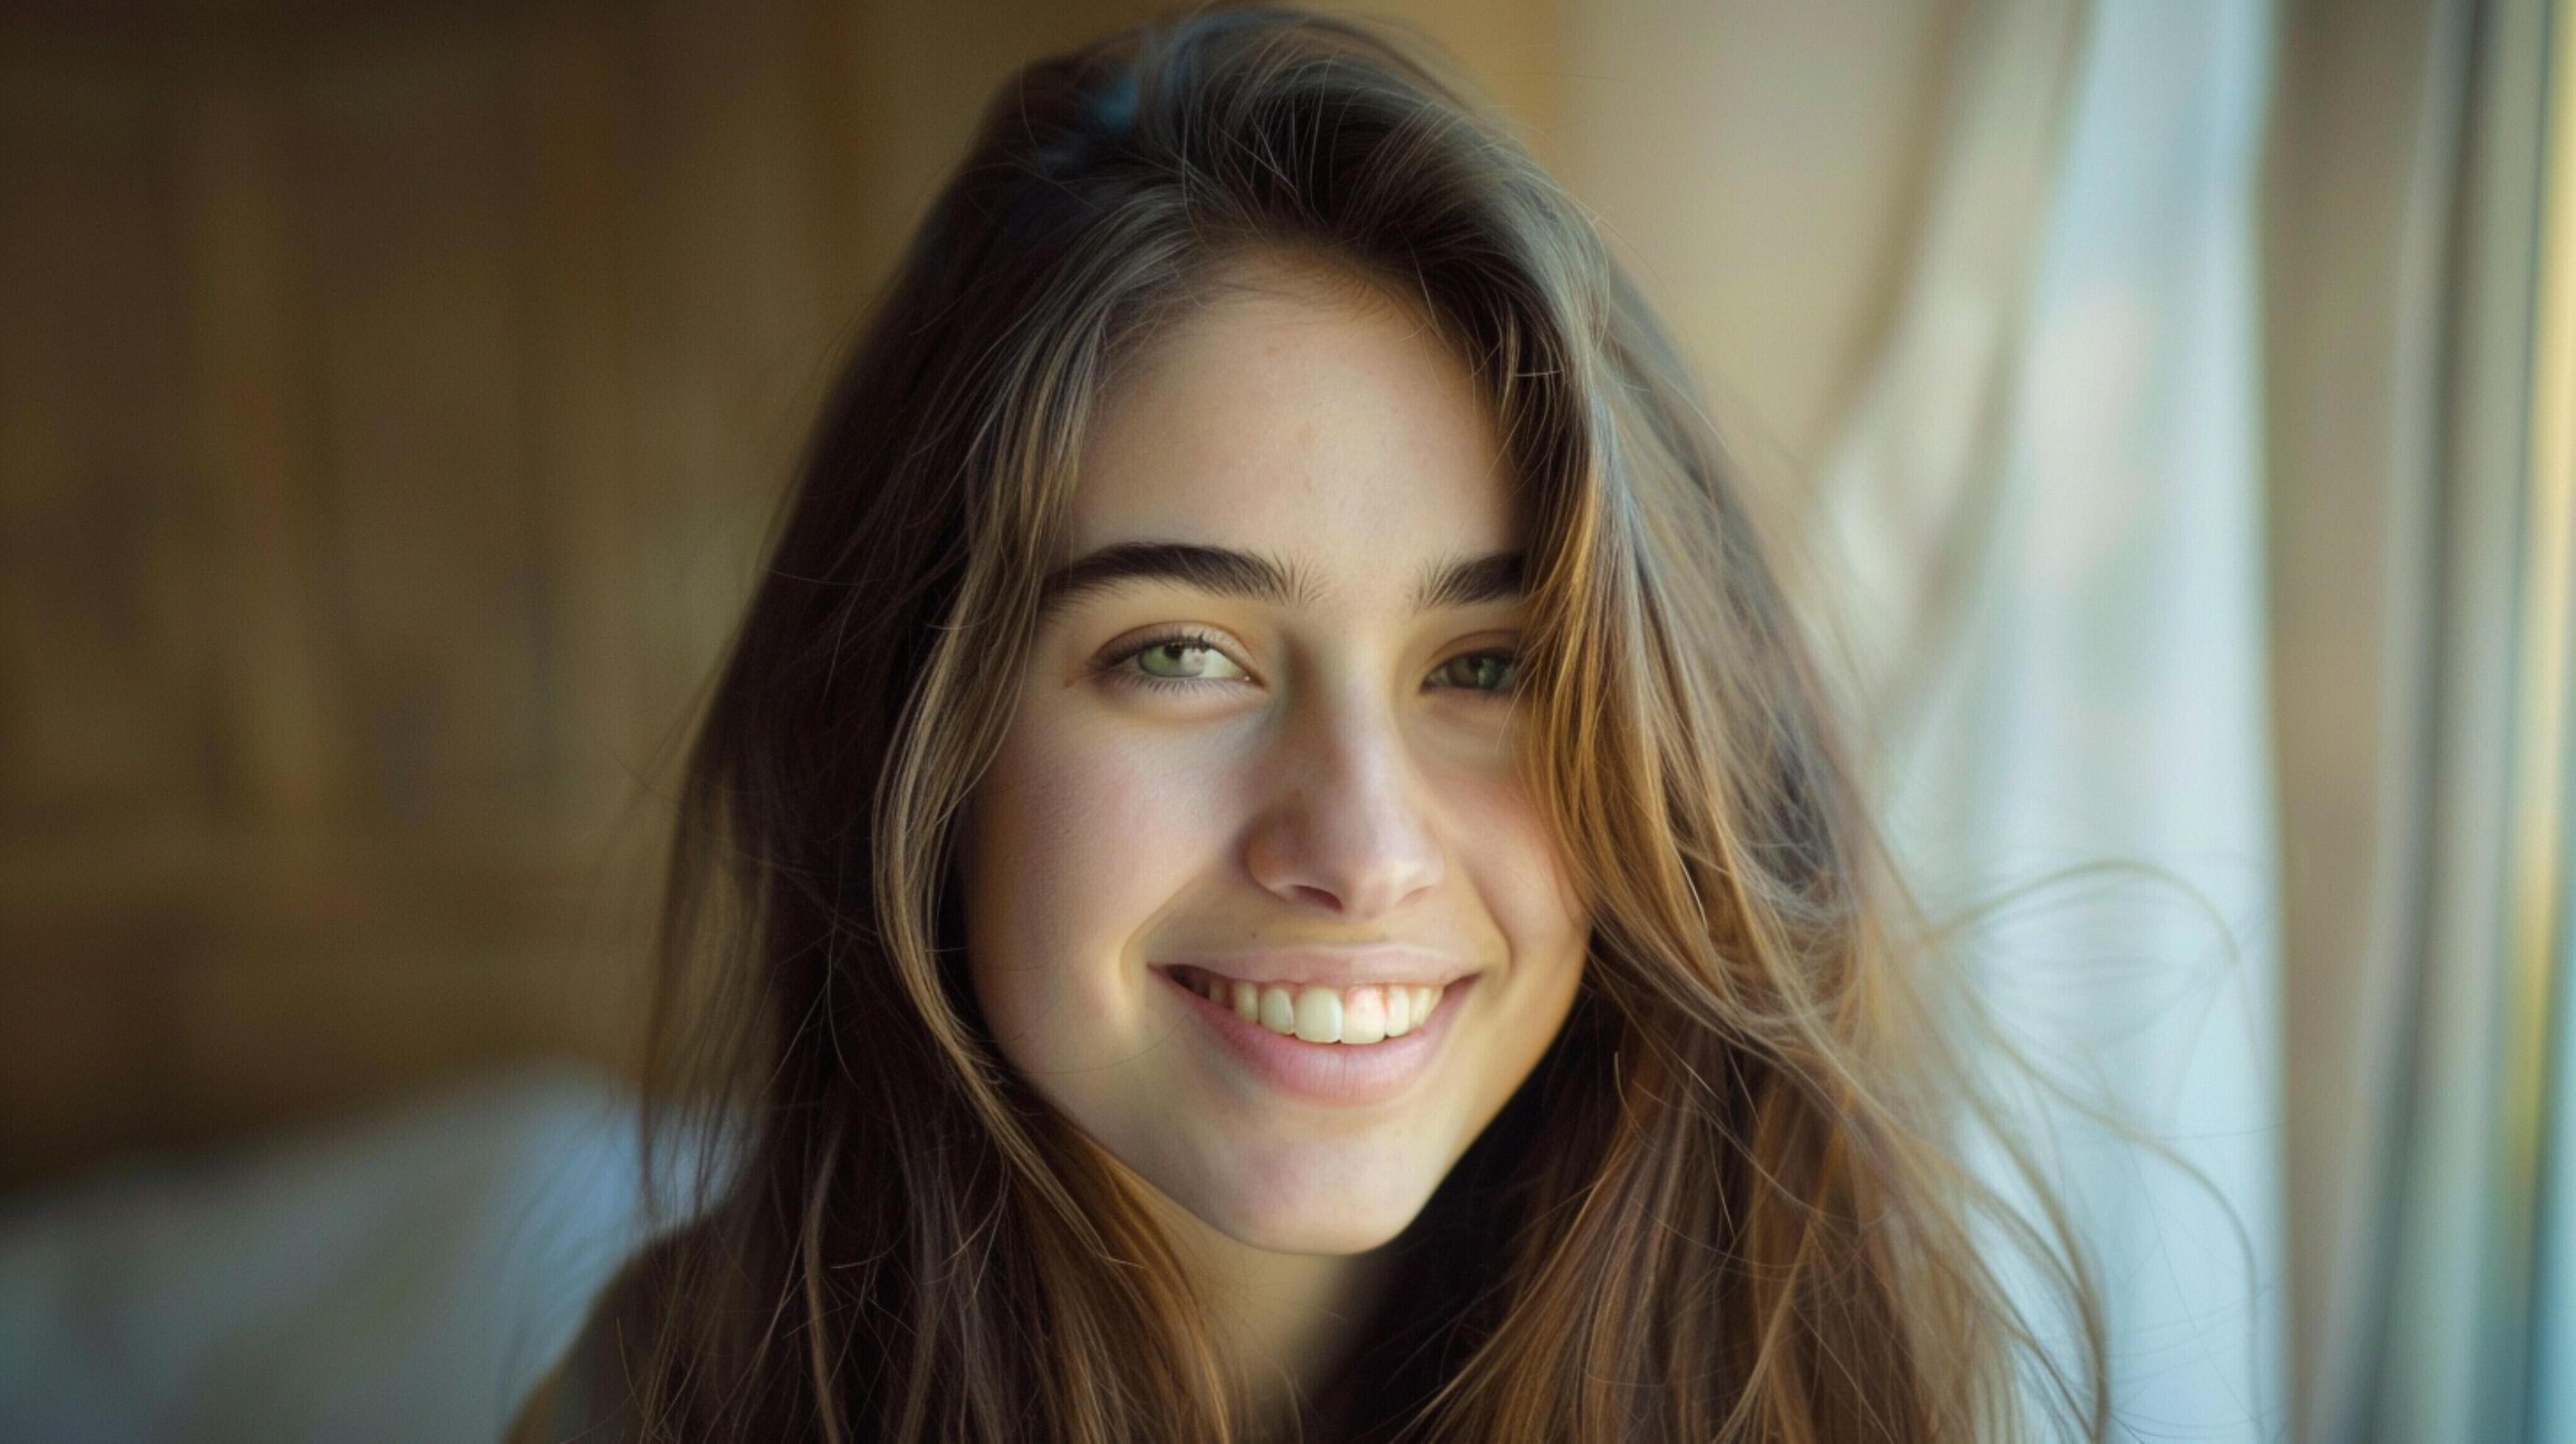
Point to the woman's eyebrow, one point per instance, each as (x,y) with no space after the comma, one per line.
(1225,571)
(1220,570)
(1470,581)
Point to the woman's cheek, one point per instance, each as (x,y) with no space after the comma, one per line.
(1522,879)
(1090,833)
(1552,913)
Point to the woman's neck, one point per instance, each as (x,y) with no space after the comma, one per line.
(1288,1319)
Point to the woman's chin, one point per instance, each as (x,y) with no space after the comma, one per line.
(1319,1235)
(1339,1215)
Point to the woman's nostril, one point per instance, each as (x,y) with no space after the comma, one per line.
(1355,866)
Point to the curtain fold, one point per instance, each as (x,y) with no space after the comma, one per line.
(2360,211)
(2048,508)
(2450,1356)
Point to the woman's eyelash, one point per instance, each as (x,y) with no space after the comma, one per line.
(1510,662)
(1119,669)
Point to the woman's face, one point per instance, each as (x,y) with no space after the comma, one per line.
(1265,752)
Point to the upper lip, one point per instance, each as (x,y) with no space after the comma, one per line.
(1331,967)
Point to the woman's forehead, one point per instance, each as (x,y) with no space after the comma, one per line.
(1294,416)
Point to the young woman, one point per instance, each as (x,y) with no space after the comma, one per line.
(1266,861)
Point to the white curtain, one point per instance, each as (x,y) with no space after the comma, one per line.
(2047,504)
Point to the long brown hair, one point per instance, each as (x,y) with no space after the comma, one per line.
(1729,1201)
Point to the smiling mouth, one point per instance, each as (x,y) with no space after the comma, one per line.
(1371,1013)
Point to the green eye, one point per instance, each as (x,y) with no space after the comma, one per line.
(1179,659)
(1479,672)
(1174,659)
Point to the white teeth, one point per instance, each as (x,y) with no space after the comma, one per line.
(1278,1010)
(1370,1013)
(1319,1015)
(1364,1015)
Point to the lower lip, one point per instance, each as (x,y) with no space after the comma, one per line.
(1337,1073)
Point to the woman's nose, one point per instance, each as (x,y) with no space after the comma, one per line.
(1346,827)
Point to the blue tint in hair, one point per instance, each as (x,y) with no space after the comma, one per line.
(1113,106)
(1049,200)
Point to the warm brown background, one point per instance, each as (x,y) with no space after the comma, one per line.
(391,396)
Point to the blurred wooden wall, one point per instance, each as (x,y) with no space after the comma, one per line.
(391,397)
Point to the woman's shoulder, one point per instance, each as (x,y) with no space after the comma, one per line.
(589,1395)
